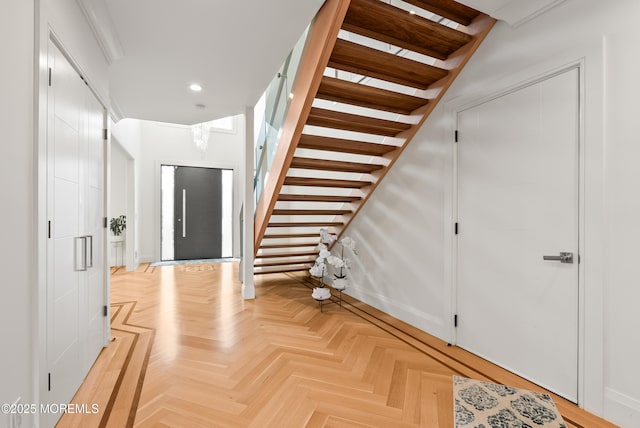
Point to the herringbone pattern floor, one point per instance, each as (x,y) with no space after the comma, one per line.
(220,361)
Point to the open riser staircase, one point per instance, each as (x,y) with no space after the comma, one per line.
(371,74)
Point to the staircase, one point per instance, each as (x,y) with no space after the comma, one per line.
(371,74)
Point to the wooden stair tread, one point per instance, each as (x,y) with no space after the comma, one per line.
(389,24)
(290,235)
(284,263)
(316,142)
(345,91)
(289,197)
(289,245)
(282,270)
(325,182)
(449,9)
(356,123)
(285,255)
(310,212)
(359,59)
(334,165)
(306,224)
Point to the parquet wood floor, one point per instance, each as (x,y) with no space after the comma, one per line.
(220,361)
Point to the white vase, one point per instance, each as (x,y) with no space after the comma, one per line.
(340,283)
(321,293)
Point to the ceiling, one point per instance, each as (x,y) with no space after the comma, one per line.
(157,48)
(232,48)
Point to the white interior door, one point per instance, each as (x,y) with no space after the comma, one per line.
(94,286)
(518,169)
(75,263)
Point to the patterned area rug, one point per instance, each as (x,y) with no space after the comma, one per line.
(480,404)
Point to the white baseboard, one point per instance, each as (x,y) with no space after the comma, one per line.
(621,409)
(145,258)
(411,315)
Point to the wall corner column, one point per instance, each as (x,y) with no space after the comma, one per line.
(246,266)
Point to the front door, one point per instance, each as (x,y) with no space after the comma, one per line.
(198,213)
(517,266)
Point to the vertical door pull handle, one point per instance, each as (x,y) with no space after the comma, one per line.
(184,213)
(90,251)
(80,253)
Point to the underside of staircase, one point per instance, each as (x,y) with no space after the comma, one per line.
(371,74)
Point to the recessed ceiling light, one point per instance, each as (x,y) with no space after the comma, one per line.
(291,96)
(195,87)
(412,12)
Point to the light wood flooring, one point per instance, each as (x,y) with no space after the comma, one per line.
(188,351)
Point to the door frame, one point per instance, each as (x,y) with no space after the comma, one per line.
(195,164)
(452,215)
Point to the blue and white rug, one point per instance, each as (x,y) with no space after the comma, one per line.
(479,404)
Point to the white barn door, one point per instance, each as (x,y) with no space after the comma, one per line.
(518,206)
(75,251)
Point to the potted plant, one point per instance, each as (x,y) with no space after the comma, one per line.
(118,225)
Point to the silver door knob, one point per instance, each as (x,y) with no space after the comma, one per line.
(562,258)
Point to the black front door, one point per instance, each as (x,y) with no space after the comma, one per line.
(198,213)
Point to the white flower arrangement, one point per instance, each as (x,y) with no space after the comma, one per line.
(325,257)
(342,262)
(317,270)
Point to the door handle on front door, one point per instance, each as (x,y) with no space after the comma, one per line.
(184,213)
(562,258)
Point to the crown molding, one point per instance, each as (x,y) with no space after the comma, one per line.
(116,112)
(513,12)
(102,26)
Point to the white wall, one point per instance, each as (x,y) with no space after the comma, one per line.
(118,205)
(405,230)
(173,144)
(17,248)
(622,181)
(119,192)
(127,135)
